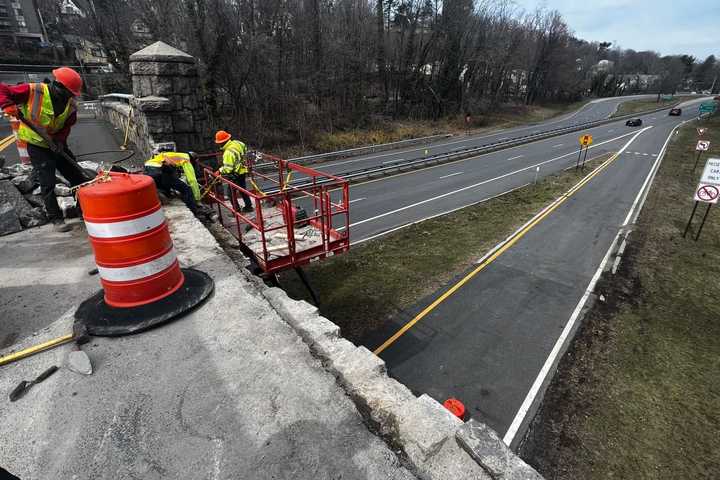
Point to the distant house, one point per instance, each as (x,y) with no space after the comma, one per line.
(86,51)
(68,7)
(21,24)
(603,66)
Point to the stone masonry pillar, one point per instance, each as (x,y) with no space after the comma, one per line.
(167,106)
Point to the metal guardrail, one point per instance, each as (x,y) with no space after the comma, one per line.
(401,165)
(309,159)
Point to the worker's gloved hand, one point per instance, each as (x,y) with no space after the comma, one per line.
(11,110)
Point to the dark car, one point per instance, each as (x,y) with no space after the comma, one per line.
(634,122)
(675,112)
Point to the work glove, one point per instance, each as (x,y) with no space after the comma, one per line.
(11,110)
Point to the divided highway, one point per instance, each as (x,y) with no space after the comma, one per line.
(383,205)
(493,338)
(595,110)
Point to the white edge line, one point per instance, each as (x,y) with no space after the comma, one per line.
(386,232)
(505,175)
(357,200)
(554,356)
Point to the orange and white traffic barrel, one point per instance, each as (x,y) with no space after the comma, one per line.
(21,144)
(137,264)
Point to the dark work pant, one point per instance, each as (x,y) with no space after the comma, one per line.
(239,180)
(45,162)
(167,178)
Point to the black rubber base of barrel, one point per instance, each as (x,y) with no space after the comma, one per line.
(102,320)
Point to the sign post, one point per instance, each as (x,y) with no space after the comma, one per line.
(585,141)
(702,146)
(707,191)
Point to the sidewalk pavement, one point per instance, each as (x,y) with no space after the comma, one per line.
(229,391)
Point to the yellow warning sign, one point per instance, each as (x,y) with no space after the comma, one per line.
(585,140)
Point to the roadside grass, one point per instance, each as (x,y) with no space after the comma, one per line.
(637,106)
(364,288)
(638,394)
(393,131)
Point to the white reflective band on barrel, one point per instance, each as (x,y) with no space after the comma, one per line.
(128,227)
(136,272)
(22,152)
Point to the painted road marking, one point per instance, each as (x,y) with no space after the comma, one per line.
(558,145)
(6,142)
(451,175)
(505,245)
(500,177)
(395,229)
(553,358)
(612,130)
(393,161)
(515,158)
(358,200)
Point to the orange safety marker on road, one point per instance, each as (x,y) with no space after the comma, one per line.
(455,407)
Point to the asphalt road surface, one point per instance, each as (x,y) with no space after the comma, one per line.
(595,110)
(384,205)
(488,342)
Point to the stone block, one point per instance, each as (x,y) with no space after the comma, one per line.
(62,190)
(424,427)
(9,221)
(182,85)
(162,86)
(190,102)
(68,206)
(161,52)
(159,124)
(152,103)
(486,447)
(142,85)
(33,218)
(155,68)
(24,183)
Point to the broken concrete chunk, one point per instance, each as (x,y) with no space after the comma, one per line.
(62,190)
(68,206)
(9,221)
(33,218)
(19,169)
(78,362)
(34,200)
(24,183)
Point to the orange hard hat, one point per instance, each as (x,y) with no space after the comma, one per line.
(69,79)
(222,136)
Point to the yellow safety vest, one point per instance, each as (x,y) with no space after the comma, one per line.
(179,160)
(234,158)
(38,110)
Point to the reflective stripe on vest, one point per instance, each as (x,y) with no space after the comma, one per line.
(179,160)
(39,111)
(235,161)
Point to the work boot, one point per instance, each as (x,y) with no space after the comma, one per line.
(59,225)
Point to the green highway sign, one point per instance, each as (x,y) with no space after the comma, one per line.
(707,107)
(667,97)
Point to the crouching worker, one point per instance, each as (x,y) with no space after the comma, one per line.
(166,166)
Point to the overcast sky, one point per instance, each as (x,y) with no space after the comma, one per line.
(666,26)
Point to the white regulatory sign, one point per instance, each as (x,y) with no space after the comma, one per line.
(707,193)
(702,145)
(711,172)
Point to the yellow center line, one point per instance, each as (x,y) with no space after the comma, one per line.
(6,142)
(502,249)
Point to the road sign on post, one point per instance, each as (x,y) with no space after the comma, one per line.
(701,131)
(707,191)
(586,140)
(702,145)
(707,107)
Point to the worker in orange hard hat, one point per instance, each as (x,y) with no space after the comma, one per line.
(234,166)
(50,108)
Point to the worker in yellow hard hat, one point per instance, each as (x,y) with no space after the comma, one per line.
(49,108)
(234,166)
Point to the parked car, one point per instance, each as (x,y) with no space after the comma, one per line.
(634,122)
(675,112)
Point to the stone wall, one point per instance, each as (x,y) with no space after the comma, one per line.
(164,105)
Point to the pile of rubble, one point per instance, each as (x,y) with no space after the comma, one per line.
(21,205)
